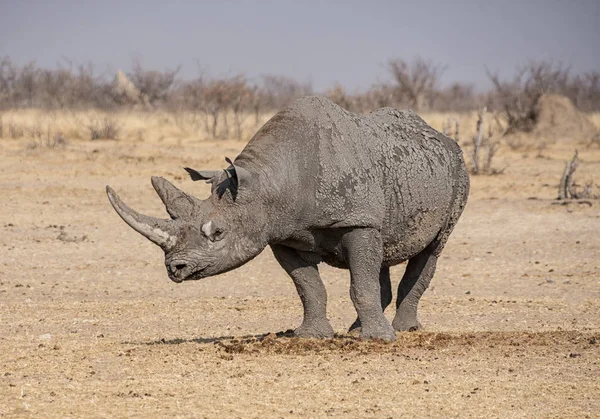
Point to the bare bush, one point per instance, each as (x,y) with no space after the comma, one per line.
(518,98)
(452,133)
(257,102)
(239,95)
(154,86)
(483,144)
(337,94)
(458,97)
(280,91)
(104,129)
(216,99)
(416,81)
(569,190)
(57,140)
(223,101)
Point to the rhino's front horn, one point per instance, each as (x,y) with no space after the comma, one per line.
(156,230)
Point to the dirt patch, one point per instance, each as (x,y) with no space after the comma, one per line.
(91,326)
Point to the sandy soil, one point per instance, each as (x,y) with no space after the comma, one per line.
(90,325)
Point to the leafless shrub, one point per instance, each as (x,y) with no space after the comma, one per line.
(587,191)
(337,94)
(280,91)
(458,97)
(453,133)
(239,98)
(154,86)
(483,144)
(257,102)
(584,91)
(58,140)
(518,98)
(227,100)
(565,187)
(105,129)
(416,82)
(568,190)
(215,102)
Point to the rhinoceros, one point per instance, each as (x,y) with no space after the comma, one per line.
(320,184)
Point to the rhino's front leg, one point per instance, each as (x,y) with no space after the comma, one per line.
(363,252)
(310,289)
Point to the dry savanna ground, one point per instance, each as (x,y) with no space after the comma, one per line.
(91,326)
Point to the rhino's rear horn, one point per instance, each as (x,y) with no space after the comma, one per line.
(178,203)
(158,231)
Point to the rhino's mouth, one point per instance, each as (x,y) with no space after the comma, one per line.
(197,274)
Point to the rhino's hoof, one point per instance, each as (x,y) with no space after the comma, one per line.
(406,326)
(355,328)
(321,330)
(386,333)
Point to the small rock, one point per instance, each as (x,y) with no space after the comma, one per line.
(45,336)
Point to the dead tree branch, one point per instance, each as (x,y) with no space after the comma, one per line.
(565,188)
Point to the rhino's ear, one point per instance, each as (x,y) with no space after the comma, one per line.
(242,176)
(208,175)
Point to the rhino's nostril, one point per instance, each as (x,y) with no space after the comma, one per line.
(180,266)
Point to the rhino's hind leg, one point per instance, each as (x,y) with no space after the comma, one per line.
(386,295)
(418,274)
(363,253)
(311,291)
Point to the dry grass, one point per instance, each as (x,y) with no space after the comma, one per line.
(157,126)
(130,125)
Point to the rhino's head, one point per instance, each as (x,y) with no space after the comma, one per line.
(204,237)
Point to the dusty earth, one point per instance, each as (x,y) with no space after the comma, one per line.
(90,325)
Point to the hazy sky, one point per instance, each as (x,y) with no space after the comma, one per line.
(326,41)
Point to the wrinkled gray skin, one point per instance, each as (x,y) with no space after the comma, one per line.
(320,184)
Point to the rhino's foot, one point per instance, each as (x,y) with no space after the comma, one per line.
(317,329)
(381,331)
(406,325)
(355,328)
